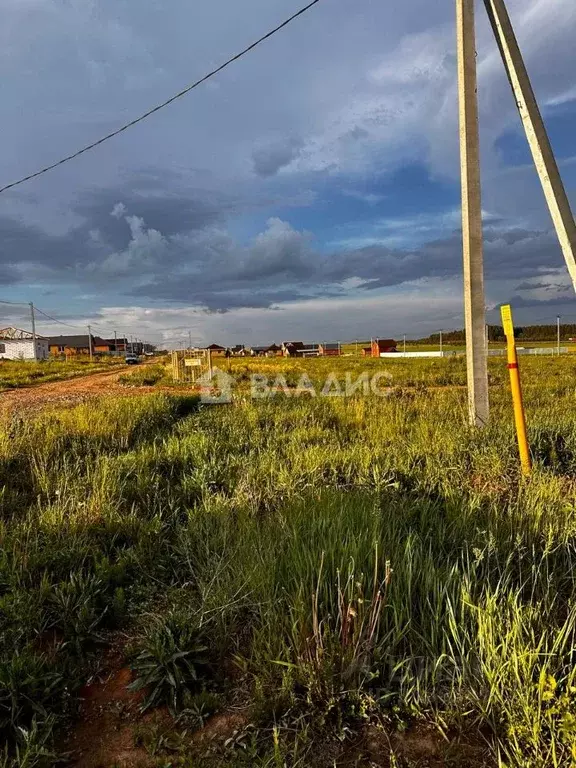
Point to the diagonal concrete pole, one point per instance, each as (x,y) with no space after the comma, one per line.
(474,303)
(536,134)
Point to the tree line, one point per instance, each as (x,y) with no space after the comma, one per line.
(522,333)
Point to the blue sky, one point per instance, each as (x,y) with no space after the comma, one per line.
(309,191)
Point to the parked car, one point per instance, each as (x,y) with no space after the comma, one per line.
(131,359)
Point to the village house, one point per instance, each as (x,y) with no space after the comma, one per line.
(117,345)
(329,349)
(383,346)
(16,344)
(292,348)
(78,345)
(216,350)
(310,350)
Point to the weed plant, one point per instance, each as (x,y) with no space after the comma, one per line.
(346,560)
(25,373)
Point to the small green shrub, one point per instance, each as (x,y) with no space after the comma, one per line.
(146,376)
(172,663)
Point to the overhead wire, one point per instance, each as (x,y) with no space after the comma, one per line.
(164,104)
(55,320)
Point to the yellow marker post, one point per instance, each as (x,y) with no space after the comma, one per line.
(519,415)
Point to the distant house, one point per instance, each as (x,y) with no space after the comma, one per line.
(216,350)
(258,351)
(274,351)
(239,350)
(78,345)
(16,344)
(382,346)
(329,349)
(367,352)
(102,346)
(117,345)
(293,348)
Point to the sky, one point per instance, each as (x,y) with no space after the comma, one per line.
(311,191)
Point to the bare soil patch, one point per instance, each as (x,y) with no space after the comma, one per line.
(69,392)
(105,733)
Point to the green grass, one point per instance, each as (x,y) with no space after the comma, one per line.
(14,374)
(146,376)
(418,346)
(338,561)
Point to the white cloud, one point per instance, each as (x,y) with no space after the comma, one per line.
(337,319)
(352,91)
(405,109)
(145,250)
(118,211)
(562,98)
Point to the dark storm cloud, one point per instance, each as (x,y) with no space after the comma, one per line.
(518,301)
(188,291)
(22,243)
(543,286)
(386,267)
(8,275)
(163,204)
(153,238)
(520,253)
(269,159)
(167,210)
(508,254)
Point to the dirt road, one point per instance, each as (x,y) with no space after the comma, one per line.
(67,392)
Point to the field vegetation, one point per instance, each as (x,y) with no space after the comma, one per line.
(328,567)
(413,373)
(15,373)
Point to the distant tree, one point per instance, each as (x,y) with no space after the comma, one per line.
(496,333)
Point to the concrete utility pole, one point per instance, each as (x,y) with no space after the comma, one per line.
(90,342)
(115,345)
(440,341)
(558,334)
(474,304)
(33,330)
(536,134)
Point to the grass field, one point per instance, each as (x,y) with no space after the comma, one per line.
(15,374)
(420,373)
(337,570)
(415,346)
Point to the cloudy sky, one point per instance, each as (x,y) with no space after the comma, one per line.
(309,191)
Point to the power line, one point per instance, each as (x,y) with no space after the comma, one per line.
(76,327)
(105,328)
(164,103)
(101,328)
(61,322)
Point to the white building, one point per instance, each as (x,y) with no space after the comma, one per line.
(16,344)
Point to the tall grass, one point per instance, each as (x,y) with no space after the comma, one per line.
(15,374)
(354,558)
